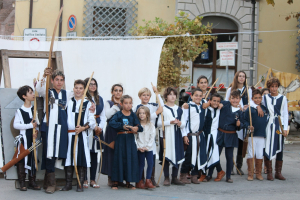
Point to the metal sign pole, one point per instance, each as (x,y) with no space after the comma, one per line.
(227,74)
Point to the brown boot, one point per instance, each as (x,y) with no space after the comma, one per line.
(269,169)
(21,176)
(220,175)
(69,177)
(167,181)
(109,182)
(153,174)
(258,167)
(184,179)
(194,179)
(176,181)
(149,185)
(45,184)
(81,173)
(51,183)
(278,168)
(250,169)
(32,184)
(202,178)
(140,184)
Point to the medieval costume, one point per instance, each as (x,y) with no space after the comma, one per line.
(195,155)
(174,146)
(22,122)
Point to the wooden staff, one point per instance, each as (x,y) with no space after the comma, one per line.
(249,107)
(50,65)
(33,118)
(100,161)
(211,88)
(78,124)
(164,139)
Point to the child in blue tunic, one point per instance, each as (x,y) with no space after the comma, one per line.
(87,121)
(259,133)
(125,163)
(144,141)
(231,120)
(276,105)
(23,122)
(97,132)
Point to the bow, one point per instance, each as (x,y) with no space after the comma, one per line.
(211,88)
(78,124)
(100,161)
(249,107)
(33,118)
(50,65)
(164,140)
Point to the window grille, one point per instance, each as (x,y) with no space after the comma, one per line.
(109,17)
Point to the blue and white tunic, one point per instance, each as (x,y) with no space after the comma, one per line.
(153,117)
(211,127)
(243,101)
(55,134)
(22,122)
(277,106)
(82,149)
(195,119)
(173,135)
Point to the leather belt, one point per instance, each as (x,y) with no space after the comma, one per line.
(198,139)
(125,132)
(71,131)
(224,131)
(97,116)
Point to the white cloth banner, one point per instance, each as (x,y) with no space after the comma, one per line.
(133,63)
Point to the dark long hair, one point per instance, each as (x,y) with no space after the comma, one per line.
(112,89)
(96,93)
(234,84)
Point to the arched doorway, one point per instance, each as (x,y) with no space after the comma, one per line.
(208,63)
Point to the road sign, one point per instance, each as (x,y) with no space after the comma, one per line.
(227,45)
(72,22)
(227,58)
(39,33)
(71,34)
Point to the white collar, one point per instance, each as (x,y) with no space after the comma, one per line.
(234,109)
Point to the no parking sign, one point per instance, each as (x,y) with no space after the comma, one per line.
(72,22)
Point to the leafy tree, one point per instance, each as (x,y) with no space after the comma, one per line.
(177,49)
(272,2)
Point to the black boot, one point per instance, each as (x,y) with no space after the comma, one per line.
(45,184)
(21,176)
(32,183)
(153,172)
(239,164)
(68,176)
(51,187)
(81,174)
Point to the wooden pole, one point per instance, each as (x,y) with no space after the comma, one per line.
(78,124)
(34,118)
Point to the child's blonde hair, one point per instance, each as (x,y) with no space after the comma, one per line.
(147,111)
(144,90)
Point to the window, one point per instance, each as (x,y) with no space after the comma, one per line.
(109,18)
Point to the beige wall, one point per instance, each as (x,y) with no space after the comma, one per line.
(277,50)
(45,13)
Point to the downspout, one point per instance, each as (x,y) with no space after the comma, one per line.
(30,13)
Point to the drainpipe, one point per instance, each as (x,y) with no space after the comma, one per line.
(252,42)
(60,20)
(30,13)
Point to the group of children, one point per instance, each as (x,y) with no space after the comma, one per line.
(192,137)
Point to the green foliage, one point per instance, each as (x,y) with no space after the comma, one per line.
(177,49)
